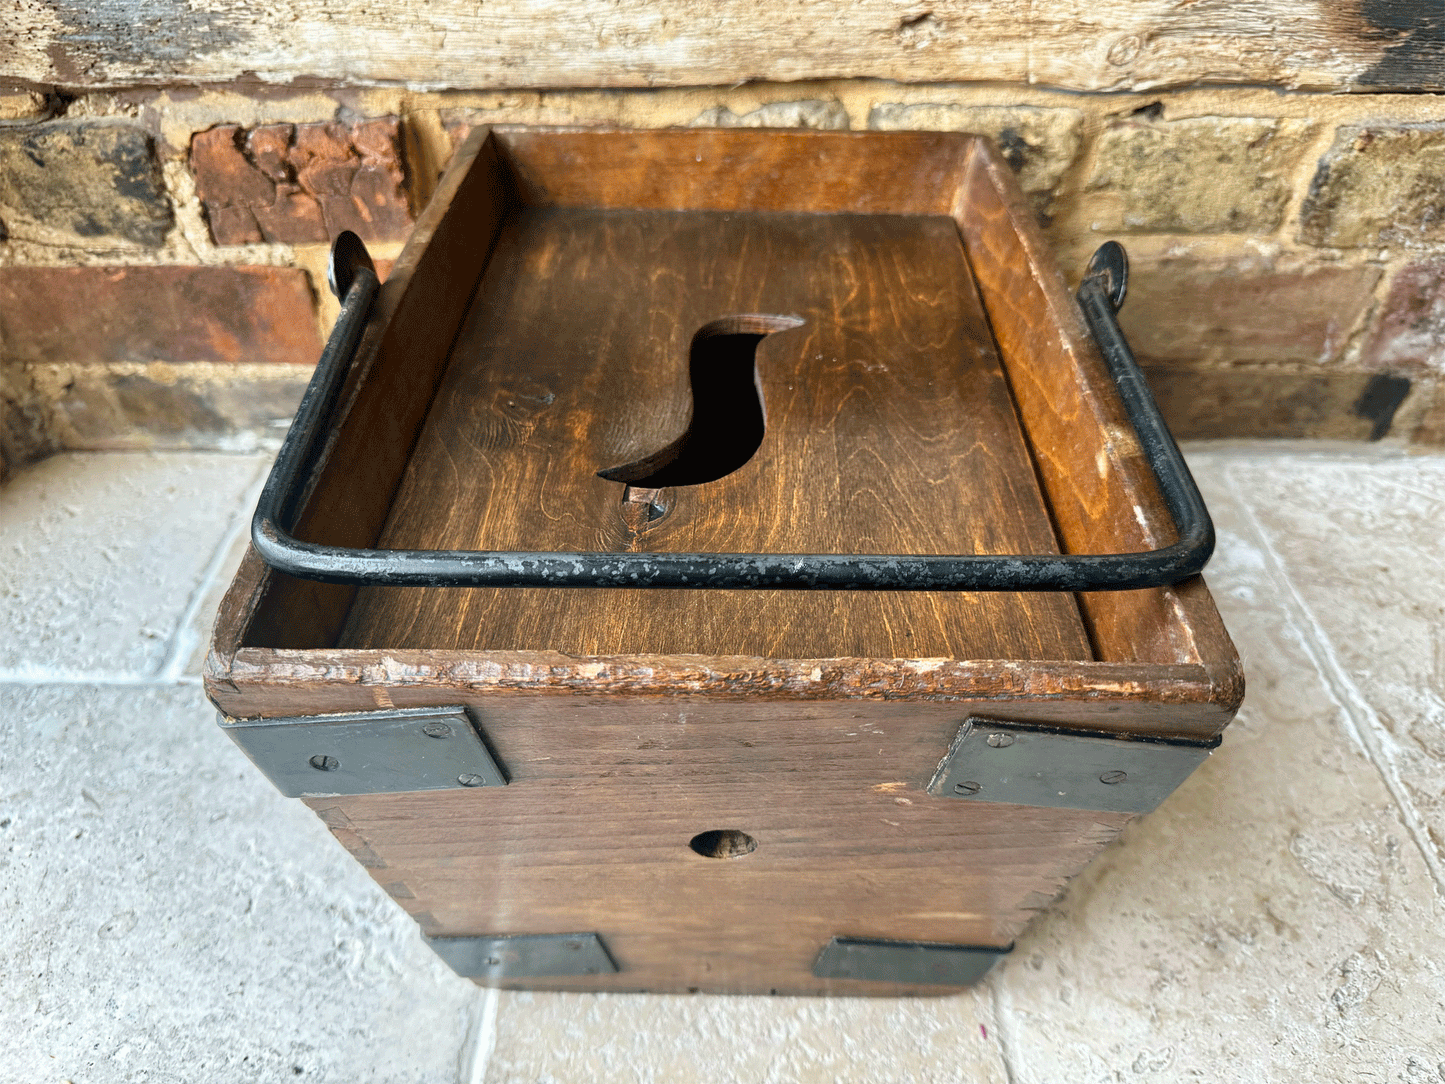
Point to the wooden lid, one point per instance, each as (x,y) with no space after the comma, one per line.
(889,429)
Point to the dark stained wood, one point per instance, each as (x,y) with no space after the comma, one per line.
(405,348)
(1190,701)
(737,169)
(1099,486)
(849,842)
(818,741)
(889,431)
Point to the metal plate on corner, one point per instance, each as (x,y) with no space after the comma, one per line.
(525,956)
(1060,769)
(908,962)
(375,752)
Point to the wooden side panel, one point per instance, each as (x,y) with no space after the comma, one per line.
(701,169)
(402,355)
(592,834)
(1182,701)
(889,430)
(1102,494)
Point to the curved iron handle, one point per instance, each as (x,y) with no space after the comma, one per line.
(1100,294)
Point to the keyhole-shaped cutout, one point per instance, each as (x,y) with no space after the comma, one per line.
(728,413)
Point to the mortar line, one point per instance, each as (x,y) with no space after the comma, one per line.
(486,1040)
(183,639)
(1361,719)
(1003,1024)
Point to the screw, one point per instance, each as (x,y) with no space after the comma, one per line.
(1000,741)
(470,779)
(437,730)
(323,763)
(968,786)
(1113,777)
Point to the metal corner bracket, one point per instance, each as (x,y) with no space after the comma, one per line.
(1016,764)
(375,752)
(907,962)
(525,956)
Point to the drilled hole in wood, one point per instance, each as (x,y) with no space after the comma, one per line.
(723,843)
(728,414)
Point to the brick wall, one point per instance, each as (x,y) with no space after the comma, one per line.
(162,252)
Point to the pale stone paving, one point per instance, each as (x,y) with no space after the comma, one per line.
(169,917)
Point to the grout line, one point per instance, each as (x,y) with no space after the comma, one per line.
(184,639)
(486,1037)
(1003,1024)
(1361,719)
(60,676)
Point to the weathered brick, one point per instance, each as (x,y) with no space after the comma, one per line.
(92,315)
(22,105)
(1209,404)
(1431,430)
(88,179)
(826,115)
(1409,333)
(1378,186)
(1039,143)
(25,431)
(1224,314)
(162,406)
(302,183)
(1197,175)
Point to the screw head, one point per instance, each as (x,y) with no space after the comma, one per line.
(1000,741)
(470,779)
(968,786)
(437,730)
(1113,777)
(323,763)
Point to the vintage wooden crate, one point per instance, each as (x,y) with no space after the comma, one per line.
(844,790)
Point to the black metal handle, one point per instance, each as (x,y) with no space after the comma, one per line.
(1101,293)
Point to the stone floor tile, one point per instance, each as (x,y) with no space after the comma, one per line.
(170,918)
(648,1039)
(100,555)
(1271,921)
(196,638)
(1362,543)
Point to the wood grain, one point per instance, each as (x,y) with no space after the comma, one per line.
(1113,45)
(889,430)
(816,732)
(384,403)
(1193,702)
(848,841)
(1099,485)
(737,169)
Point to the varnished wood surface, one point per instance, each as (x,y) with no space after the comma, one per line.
(1189,701)
(592,834)
(617,760)
(889,430)
(737,169)
(1098,483)
(405,347)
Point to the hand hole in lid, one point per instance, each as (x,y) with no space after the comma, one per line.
(728,413)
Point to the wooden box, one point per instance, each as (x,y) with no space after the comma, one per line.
(725,790)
